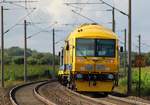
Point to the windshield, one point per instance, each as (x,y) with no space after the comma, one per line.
(105,48)
(85,47)
(95,47)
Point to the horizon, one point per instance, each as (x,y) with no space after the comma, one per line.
(47,13)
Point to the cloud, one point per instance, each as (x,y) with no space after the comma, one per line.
(56,10)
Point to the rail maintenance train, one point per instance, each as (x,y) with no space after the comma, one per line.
(90,59)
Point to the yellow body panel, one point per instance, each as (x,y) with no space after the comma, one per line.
(78,64)
(100,86)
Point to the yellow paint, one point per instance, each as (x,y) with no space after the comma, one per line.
(78,63)
(100,86)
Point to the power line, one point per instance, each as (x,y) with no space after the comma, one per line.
(83,16)
(9,29)
(145,44)
(75,7)
(82,3)
(103,2)
(59,41)
(81,9)
(43,30)
(19,1)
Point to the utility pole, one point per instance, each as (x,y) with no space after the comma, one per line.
(113,20)
(125,51)
(140,66)
(129,48)
(54,50)
(25,4)
(129,15)
(25,51)
(2,47)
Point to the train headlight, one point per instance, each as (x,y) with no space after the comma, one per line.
(89,67)
(100,67)
(107,68)
(79,76)
(110,76)
(82,68)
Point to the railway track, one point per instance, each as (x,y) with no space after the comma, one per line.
(110,100)
(58,94)
(64,96)
(52,93)
(26,95)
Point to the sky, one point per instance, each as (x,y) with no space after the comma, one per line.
(56,14)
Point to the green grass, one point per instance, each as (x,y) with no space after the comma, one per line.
(14,73)
(145,82)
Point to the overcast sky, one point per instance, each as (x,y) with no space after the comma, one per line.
(48,12)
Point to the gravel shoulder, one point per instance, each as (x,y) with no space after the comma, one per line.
(4,97)
(142,99)
(59,95)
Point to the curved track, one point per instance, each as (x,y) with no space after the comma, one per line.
(53,93)
(23,95)
(58,94)
(110,100)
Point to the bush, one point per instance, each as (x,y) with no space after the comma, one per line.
(18,60)
(31,61)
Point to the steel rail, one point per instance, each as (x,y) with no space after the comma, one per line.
(41,98)
(15,89)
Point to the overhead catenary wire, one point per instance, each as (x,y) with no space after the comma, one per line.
(19,1)
(75,7)
(83,16)
(20,20)
(81,9)
(85,3)
(43,30)
(18,5)
(32,20)
(82,3)
(145,44)
(102,1)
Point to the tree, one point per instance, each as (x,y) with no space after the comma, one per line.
(32,61)
(18,60)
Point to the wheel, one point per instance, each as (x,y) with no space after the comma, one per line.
(105,94)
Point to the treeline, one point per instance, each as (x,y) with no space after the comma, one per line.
(15,55)
(145,56)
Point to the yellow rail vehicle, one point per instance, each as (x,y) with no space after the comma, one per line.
(90,59)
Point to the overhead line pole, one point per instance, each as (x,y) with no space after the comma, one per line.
(2,46)
(25,4)
(54,51)
(129,48)
(139,66)
(25,51)
(125,51)
(129,41)
(113,20)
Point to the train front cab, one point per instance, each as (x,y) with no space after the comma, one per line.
(95,70)
(91,59)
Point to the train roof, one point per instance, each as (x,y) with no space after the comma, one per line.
(93,30)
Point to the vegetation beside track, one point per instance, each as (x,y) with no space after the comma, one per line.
(38,65)
(14,73)
(14,76)
(145,81)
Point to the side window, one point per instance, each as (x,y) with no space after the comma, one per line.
(67,45)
